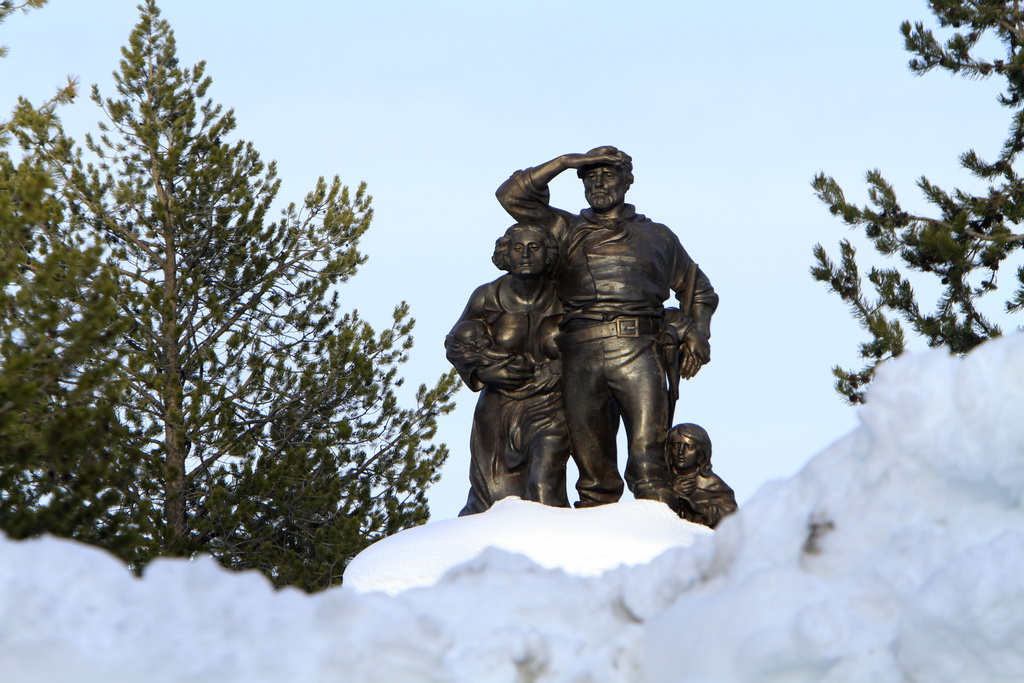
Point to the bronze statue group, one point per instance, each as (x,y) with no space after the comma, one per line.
(575,338)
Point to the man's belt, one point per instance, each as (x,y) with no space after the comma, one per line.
(629,328)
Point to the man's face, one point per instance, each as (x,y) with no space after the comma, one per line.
(604,187)
(527,253)
(682,451)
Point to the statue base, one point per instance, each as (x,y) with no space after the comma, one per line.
(583,542)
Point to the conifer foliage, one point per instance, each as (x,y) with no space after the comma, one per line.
(268,424)
(58,325)
(967,239)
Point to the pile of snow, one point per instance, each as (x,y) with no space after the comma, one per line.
(895,555)
(586,542)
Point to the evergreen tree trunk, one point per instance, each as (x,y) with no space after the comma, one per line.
(172,390)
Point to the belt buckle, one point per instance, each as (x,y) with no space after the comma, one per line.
(627,327)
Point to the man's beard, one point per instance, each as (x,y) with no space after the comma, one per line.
(600,201)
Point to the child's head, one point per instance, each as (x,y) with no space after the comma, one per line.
(688,447)
(472,333)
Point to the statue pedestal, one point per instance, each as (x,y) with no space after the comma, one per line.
(583,542)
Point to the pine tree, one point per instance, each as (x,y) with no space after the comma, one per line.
(58,321)
(970,236)
(271,432)
(7,8)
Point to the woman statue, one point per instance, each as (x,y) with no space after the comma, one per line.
(504,347)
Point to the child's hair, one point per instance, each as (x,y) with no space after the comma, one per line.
(472,333)
(703,441)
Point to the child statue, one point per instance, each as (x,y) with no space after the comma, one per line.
(703,497)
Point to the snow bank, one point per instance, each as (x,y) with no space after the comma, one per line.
(895,555)
(585,542)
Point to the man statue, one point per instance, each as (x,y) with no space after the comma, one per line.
(614,272)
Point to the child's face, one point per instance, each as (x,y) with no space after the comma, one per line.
(682,451)
(472,333)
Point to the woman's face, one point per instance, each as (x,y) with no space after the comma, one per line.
(527,254)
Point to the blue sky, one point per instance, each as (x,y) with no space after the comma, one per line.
(728,111)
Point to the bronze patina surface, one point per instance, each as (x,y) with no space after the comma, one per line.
(577,340)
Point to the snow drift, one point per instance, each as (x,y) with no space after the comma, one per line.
(586,542)
(895,555)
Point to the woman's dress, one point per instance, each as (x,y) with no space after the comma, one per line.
(519,445)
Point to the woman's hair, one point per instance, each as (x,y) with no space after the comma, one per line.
(703,441)
(500,256)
